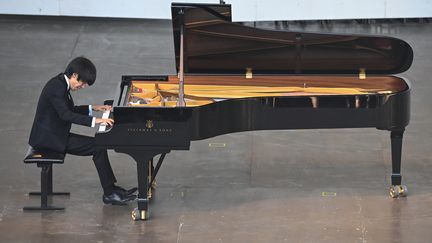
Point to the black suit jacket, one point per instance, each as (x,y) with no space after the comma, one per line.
(54,116)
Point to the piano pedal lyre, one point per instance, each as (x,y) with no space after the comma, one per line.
(154,184)
(149,193)
(150,169)
(149,179)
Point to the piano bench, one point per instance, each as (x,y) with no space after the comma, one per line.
(44,160)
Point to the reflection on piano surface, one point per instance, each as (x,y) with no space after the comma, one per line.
(234,78)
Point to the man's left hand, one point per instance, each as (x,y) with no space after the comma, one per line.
(101,107)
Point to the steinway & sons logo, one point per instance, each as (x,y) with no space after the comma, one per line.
(149,124)
(149,127)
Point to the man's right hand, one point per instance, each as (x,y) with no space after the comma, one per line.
(108,121)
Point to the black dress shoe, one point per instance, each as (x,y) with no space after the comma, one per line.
(123,191)
(116,198)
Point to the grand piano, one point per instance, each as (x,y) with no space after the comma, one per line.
(235,78)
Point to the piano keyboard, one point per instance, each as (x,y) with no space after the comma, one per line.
(103,126)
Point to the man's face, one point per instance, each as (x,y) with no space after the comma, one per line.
(76,84)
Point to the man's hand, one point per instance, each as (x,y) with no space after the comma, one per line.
(101,107)
(108,121)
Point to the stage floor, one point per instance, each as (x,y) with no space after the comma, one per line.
(264,186)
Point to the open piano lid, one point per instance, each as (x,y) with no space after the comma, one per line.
(215,45)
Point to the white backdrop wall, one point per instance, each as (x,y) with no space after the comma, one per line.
(243,10)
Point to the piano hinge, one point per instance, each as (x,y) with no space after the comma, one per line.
(362,73)
(249,73)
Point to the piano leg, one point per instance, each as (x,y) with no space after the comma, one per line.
(397,190)
(143,159)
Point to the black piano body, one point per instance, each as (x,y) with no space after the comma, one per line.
(234,78)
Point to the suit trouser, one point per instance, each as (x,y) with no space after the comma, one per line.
(85,146)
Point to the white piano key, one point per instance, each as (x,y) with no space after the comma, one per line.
(103,126)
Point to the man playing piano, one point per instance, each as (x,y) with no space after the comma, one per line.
(53,119)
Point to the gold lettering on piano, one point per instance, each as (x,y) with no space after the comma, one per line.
(149,123)
(155,130)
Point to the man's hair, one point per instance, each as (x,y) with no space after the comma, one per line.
(85,69)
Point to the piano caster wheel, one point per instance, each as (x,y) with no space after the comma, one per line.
(153,185)
(398,191)
(139,214)
(136,215)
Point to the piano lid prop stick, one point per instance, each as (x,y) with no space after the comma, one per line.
(181,102)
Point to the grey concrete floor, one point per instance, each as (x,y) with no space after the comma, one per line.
(266,186)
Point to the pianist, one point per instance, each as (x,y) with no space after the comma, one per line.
(53,119)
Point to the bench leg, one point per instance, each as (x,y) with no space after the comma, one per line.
(50,186)
(44,191)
